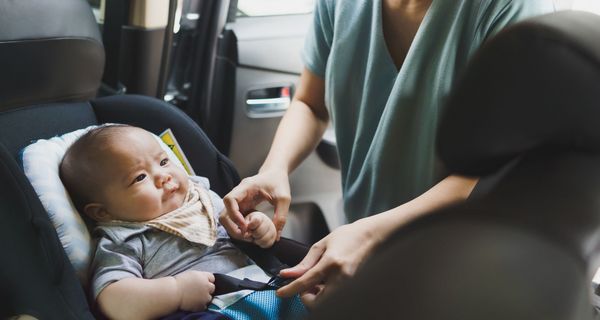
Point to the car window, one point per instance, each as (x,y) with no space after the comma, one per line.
(98,9)
(587,5)
(254,8)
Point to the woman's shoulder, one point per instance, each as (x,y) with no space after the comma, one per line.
(494,15)
(527,7)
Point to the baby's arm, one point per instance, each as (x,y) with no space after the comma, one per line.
(136,298)
(261,229)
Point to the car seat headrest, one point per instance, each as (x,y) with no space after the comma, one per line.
(50,50)
(536,85)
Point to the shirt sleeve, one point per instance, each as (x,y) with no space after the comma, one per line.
(319,38)
(112,262)
(500,14)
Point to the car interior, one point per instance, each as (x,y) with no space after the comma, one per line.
(525,246)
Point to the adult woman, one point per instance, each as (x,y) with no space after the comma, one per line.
(380,70)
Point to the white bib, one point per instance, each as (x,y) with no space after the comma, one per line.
(194,220)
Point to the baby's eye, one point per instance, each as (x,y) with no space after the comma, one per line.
(139,178)
(164,162)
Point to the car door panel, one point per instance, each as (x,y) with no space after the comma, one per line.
(269,53)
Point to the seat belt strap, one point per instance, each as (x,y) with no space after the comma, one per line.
(267,259)
(227,284)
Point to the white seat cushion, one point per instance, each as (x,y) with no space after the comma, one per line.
(41,161)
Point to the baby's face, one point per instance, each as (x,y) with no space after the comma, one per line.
(139,182)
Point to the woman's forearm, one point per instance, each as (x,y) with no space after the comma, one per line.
(450,190)
(135,298)
(338,255)
(298,134)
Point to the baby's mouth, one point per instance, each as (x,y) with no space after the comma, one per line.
(177,194)
(170,190)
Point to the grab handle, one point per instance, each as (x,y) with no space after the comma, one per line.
(268,102)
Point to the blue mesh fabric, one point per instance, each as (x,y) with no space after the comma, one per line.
(265,305)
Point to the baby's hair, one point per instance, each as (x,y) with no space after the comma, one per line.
(78,167)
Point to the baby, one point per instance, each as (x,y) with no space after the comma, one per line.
(158,237)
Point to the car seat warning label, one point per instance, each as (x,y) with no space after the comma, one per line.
(169,138)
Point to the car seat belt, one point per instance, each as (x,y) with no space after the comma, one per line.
(227,284)
(281,255)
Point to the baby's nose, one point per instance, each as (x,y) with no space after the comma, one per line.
(162,179)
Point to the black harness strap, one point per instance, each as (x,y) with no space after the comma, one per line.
(281,255)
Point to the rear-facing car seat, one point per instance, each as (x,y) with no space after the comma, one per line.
(528,247)
(51,63)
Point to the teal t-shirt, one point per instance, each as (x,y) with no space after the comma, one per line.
(385,120)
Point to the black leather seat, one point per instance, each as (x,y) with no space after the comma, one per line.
(51,62)
(527,248)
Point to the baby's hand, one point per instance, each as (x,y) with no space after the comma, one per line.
(195,289)
(261,229)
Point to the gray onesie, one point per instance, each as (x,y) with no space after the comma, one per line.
(136,250)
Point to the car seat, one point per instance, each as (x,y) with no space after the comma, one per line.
(528,247)
(51,62)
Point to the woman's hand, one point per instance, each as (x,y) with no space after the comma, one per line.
(272,186)
(338,255)
(331,260)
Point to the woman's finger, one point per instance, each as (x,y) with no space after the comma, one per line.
(232,210)
(310,297)
(309,280)
(311,272)
(231,228)
(312,257)
(282,206)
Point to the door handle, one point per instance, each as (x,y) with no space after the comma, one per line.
(268,102)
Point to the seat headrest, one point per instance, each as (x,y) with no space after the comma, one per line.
(50,50)
(536,85)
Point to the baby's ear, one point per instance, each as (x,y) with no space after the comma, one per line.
(97,212)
